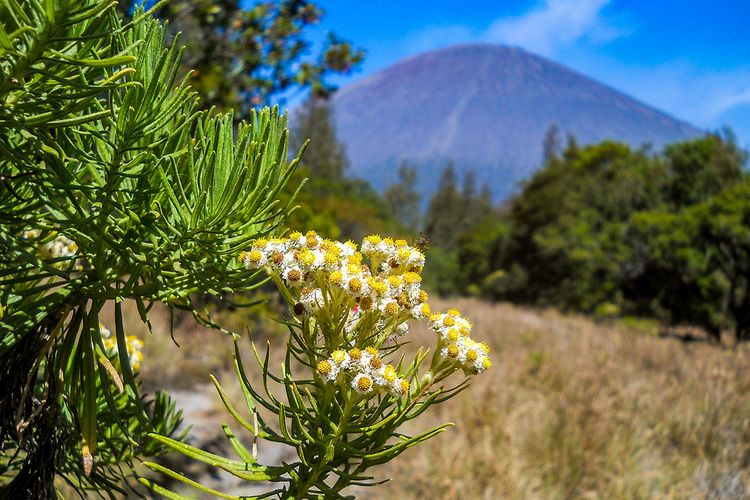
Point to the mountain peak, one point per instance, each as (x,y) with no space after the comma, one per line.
(485,107)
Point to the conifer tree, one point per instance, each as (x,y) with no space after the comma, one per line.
(445,213)
(325,159)
(403,197)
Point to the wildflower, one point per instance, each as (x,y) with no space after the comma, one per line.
(336,278)
(378,286)
(355,285)
(362,383)
(421,311)
(402,387)
(389,374)
(293,275)
(324,368)
(254,258)
(411,278)
(391,308)
(340,357)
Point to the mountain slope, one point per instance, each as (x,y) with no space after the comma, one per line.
(486,107)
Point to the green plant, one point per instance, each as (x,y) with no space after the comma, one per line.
(242,54)
(113,188)
(339,402)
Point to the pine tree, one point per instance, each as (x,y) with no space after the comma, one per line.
(403,198)
(325,158)
(551,144)
(445,214)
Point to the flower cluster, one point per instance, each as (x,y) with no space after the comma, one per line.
(456,344)
(366,369)
(355,299)
(384,278)
(60,247)
(134,346)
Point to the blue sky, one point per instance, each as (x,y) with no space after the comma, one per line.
(690,58)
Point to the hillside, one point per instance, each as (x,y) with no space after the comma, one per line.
(487,107)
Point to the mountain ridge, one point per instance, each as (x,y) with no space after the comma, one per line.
(486,108)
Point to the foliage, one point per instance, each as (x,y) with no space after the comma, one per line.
(114,188)
(635,231)
(247,54)
(343,401)
(698,262)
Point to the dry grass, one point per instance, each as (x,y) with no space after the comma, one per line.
(576,409)
(570,409)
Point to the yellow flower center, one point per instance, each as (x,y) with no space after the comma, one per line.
(371,350)
(330,257)
(254,256)
(336,277)
(324,367)
(389,374)
(471,355)
(295,235)
(453,350)
(486,362)
(338,356)
(404,387)
(425,309)
(364,383)
(391,308)
(411,278)
(449,321)
(403,301)
(355,285)
(306,257)
(294,275)
(376,363)
(403,254)
(452,335)
(379,287)
(355,354)
(277,258)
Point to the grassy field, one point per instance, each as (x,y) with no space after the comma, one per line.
(570,409)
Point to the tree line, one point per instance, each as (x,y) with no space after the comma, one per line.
(605,228)
(614,230)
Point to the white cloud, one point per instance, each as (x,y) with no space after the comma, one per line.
(553,24)
(546,29)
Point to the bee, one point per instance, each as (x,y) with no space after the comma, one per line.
(421,242)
